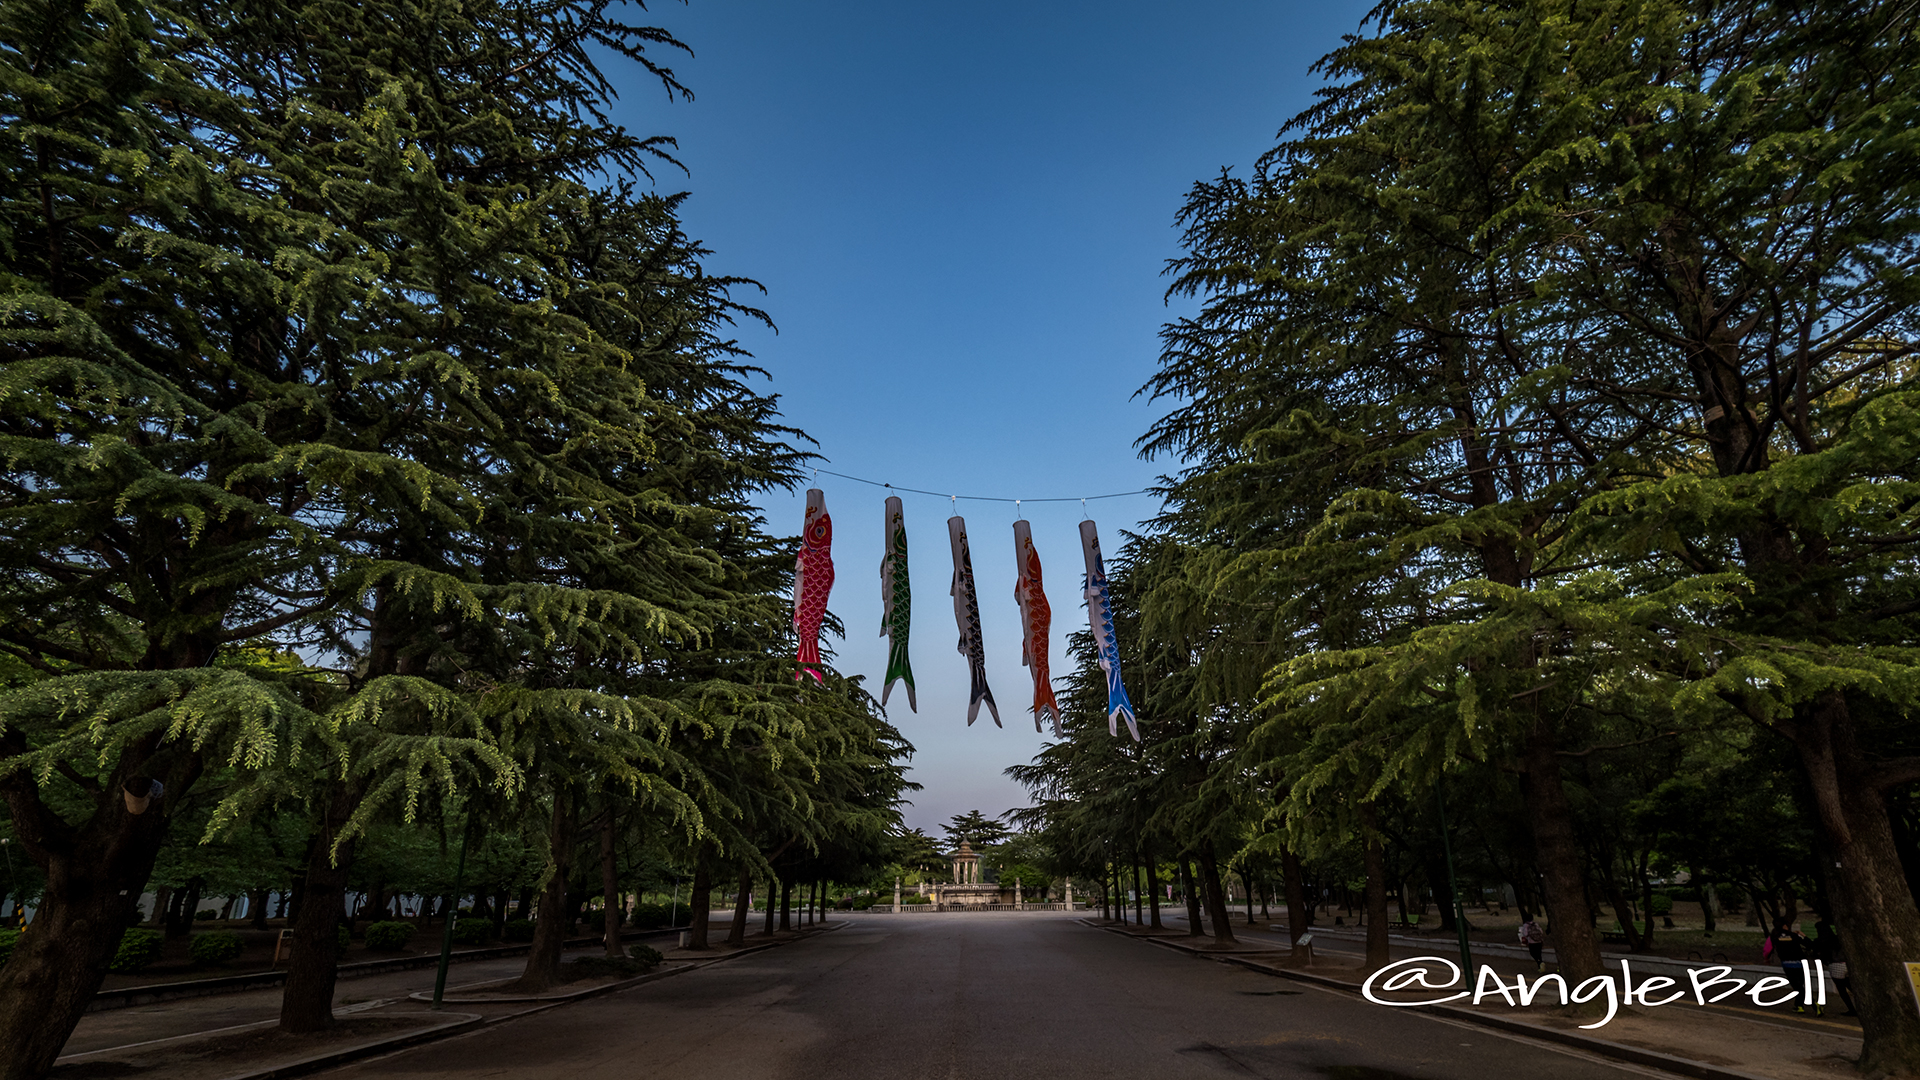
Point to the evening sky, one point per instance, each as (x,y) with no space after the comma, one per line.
(961,215)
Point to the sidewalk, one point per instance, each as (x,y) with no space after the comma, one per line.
(1714,1042)
(234,1036)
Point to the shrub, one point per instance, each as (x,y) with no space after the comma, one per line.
(863,903)
(206,915)
(1662,904)
(916,899)
(215,947)
(597,920)
(7,938)
(389,936)
(138,948)
(471,931)
(646,954)
(346,936)
(519,930)
(650,916)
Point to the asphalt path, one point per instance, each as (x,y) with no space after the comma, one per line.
(986,995)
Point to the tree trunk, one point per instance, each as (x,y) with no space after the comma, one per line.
(1376,863)
(1623,912)
(187,906)
(257,909)
(610,903)
(1153,890)
(1196,927)
(551,924)
(1247,880)
(306,1003)
(95,875)
(1557,854)
(786,904)
(737,935)
(700,905)
(1139,917)
(1436,869)
(823,902)
(771,886)
(1216,898)
(1871,901)
(1299,917)
(1646,908)
(162,899)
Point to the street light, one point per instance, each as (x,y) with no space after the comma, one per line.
(1453,882)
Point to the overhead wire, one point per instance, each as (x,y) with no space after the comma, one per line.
(1083,500)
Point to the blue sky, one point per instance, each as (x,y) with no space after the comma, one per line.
(961,214)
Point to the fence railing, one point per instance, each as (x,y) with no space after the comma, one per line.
(908,909)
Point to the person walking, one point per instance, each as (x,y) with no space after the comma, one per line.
(1535,939)
(1791,949)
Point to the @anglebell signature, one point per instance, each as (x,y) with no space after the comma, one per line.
(1414,973)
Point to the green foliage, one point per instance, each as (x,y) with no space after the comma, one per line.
(138,948)
(650,916)
(344,937)
(375,462)
(391,936)
(518,930)
(7,940)
(215,947)
(472,932)
(1549,411)
(975,828)
(647,955)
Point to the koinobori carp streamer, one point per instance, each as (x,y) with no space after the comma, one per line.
(813,580)
(896,602)
(966,612)
(1036,623)
(1100,618)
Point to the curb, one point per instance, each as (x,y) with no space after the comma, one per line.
(472,1023)
(1608,957)
(1699,1070)
(135,996)
(328,1059)
(604,988)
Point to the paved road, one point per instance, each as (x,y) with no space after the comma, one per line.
(985,996)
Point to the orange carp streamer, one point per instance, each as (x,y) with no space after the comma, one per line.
(1036,623)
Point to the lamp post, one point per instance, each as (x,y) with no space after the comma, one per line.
(1453,883)
(453,915)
